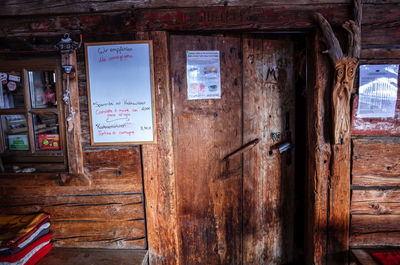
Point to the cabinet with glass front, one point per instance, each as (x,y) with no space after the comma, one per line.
(31,116)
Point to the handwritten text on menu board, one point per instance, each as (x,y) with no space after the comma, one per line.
(120,91)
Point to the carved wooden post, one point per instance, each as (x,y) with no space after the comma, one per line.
(338,220)
(345,67)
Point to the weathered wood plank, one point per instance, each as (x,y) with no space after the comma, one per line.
(372,180)
(376,156)
(339,206)
(377,25)
(119,234)
(50,185)
(36,7)
(268,105)
(380,53)
(375,230)
(158,164)
(115,167)
(72,127)
(70,207)
(20,7)
(253,187)
(319,153)
(73,256)
(362,224)
(375,202)
(205,131)
(379,239)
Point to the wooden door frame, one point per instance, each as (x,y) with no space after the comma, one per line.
(160,178)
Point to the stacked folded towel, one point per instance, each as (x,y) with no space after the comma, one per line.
(24,239)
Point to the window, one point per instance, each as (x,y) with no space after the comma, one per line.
(32,134)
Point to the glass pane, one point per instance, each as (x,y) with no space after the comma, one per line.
(11,90)
(15,132)
(47,135)
(43,89)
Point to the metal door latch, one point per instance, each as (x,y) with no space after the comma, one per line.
(284,147)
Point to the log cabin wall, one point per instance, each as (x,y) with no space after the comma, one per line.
(108,211)
(375,190)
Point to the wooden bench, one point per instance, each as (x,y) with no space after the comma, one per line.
(74,256)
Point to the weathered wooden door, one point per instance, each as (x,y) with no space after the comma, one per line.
(235,210)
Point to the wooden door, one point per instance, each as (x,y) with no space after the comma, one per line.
(232,211)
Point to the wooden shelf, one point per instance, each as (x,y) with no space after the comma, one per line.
(73,256)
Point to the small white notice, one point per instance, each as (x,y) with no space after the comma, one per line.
(378,91)
(203,75)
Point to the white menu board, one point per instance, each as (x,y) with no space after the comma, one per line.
(121,99)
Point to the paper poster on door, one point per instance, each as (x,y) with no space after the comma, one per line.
(378,91)
(203,75)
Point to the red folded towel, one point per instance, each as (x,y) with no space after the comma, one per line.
(38,255)
(387,258)
(30,250)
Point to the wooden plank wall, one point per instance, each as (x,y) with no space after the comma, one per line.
(375,195)
(106,213)
(115,184)
(106,210)
(375,215)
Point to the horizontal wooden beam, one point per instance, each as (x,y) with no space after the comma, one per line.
(376,156)
(72,256)
(33,31)
(87,207)
(99,234)
(375,202)
(37,7)
(374,181)
(375,230)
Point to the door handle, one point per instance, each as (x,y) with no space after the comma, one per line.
(284,147)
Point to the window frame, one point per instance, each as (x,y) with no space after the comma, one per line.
(41,160)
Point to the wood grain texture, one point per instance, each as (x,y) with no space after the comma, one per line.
(73,256)
(119,234)
(117,169)
(319,153)
(69,207)
(86,220)
(35,7)
(339,204)
(374,180)
(375,202)
(253,125)
(106,212)
(375,230)
(380,53)
(38,32)
(378,156)
(158,164)
(72,127)
(268,104)
(208,191)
